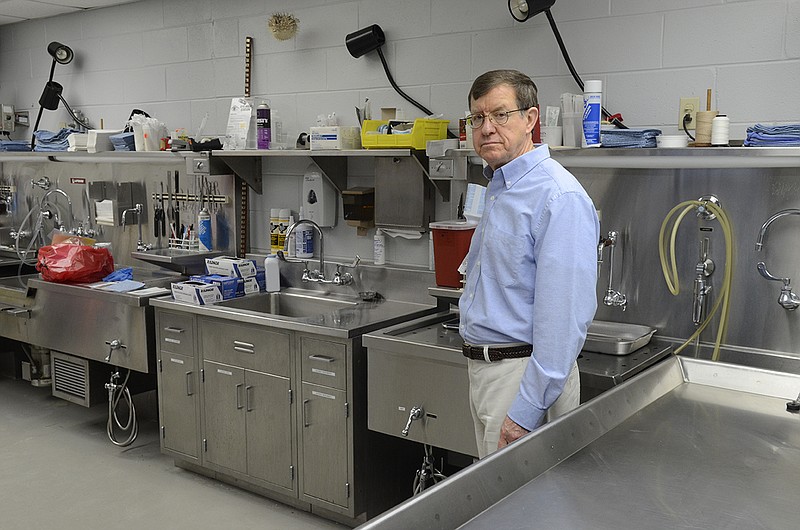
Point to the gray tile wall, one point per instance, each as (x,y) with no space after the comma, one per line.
(181,59)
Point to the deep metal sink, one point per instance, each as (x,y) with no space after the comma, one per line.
(287,304)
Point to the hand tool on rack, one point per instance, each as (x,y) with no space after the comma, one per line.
(170,210)
(177,212)
(159,227)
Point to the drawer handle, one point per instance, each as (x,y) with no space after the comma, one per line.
(244,350)
(241,343)
(239,396)
(189,390)
(174,330)
(323,358)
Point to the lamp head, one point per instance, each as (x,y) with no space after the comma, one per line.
(50,95)
(522,10)
(365,40)
(61,53)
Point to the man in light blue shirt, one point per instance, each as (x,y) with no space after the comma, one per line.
(531,270)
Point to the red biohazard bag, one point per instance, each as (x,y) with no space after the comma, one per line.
(69,263)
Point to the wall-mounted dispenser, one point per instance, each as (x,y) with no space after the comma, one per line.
(319,198)
(359,206)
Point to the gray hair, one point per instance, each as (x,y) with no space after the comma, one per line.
(523,86)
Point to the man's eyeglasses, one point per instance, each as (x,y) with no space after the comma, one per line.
(498,117)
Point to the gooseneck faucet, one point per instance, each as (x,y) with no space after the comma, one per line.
(787,299)
(310,276)
(138,210)
(612,297)
(46,201)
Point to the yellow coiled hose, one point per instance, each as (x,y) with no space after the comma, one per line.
(666,251)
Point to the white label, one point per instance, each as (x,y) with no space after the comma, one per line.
(401,409)
(176,361)
(323,372)
(173,341)
(322,395)
(224,372)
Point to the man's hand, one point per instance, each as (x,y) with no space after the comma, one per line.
(510,431)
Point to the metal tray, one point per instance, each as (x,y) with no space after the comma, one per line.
(616,338)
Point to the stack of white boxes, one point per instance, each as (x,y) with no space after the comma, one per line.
(225,278)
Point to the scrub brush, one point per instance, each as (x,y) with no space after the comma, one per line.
(283,25)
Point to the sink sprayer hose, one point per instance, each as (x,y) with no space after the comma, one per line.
(666,251)
(115,394)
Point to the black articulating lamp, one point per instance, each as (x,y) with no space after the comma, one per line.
(372,38)
(51,95)
(522,11)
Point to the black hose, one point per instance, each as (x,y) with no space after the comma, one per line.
(572,70)
(687,118)
(397,88)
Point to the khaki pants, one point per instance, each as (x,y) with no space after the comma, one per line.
(492,389)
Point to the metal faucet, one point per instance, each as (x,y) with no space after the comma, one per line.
(612,297)
(787,299)
(703,269)
(310,276)
(45,201)
(138,209)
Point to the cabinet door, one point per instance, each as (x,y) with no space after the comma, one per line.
(324,444)
(177,393)
(269,428)
(224,416)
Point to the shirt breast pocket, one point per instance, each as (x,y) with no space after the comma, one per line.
(506,257)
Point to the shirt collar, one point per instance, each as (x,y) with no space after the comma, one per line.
(519,167)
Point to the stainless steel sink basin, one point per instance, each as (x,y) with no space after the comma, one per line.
(287,304)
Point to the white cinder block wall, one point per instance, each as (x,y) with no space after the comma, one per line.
(182,59)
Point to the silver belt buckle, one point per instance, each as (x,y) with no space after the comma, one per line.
(486,354)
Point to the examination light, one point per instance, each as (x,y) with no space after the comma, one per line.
(522,11)
(370,39)
(51,95)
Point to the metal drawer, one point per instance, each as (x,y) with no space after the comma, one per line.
(439,385)
(252,347)
(324,362)
(176,332)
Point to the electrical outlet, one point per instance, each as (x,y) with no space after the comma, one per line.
(688,106)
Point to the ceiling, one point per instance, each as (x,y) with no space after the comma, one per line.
(12,11)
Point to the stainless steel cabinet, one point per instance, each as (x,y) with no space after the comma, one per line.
(247,401)
(324,445)
(178,385)
(248,422)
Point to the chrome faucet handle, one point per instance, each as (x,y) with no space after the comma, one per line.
(415,414)
(115,344)
(787,299)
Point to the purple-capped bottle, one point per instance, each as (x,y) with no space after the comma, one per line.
(264,133)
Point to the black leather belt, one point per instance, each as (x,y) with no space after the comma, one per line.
(479,353)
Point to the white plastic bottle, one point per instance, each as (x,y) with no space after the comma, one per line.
(272,274)
(379,247)
(592,113)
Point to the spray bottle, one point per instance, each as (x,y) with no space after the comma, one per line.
(204,230)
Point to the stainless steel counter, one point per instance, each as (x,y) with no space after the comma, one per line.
(349,322)
(687,444)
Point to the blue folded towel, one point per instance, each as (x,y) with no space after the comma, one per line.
(53,141)
(15,145)
(629,137)
(773,135)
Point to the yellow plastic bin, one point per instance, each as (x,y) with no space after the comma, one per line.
(422,131)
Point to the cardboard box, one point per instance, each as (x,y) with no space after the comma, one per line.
(197,293)
(339,137)
(247,286)
(227,284)
(228,266)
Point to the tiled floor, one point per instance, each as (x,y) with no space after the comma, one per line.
(59,470)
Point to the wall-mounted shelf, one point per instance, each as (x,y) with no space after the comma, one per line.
(111,157)
(333,163)
(660,158)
